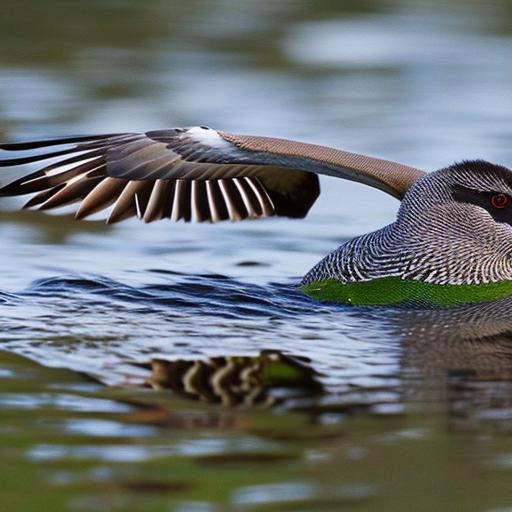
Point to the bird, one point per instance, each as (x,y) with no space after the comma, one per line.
(451,241)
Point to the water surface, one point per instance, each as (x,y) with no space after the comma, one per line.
(176,367)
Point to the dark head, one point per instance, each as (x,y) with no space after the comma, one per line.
(474,196)
(458,221)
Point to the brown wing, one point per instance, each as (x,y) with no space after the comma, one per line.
(190,174)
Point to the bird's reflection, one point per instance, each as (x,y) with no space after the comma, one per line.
(475,338)
(266,379)
(458,361)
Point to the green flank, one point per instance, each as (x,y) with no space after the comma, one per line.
(395,291)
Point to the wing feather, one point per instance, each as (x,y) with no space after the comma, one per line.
(100,197)
(160,195)
(216,202)
(200,201)
(124,207)
(189,174)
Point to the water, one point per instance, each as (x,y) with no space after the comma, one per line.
(176,367)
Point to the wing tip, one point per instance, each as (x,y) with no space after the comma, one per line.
(55,141)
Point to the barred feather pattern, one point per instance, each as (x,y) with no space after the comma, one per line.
(83,177)
(435,239)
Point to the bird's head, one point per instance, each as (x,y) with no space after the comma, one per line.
(471,197)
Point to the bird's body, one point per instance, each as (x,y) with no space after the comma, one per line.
(441,241)
(451,241)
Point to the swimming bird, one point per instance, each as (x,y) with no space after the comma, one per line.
(450,243)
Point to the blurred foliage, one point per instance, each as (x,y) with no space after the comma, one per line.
(58,31)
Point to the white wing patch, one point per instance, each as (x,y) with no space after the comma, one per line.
(208,136)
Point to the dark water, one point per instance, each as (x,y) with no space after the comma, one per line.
(176,367)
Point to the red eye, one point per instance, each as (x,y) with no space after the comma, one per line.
(499,200)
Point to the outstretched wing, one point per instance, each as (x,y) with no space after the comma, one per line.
(191,174)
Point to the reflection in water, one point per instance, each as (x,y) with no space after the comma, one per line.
(351,359)
(265,379)
(463,360)
(458,361)
(475,337)
(325,436)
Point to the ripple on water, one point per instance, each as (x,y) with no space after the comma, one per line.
(101,325)
(365,359)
